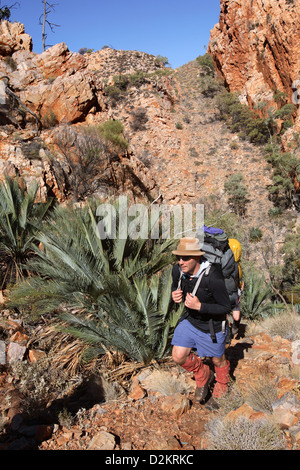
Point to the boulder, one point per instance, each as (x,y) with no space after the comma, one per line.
(13,38)
(103,441)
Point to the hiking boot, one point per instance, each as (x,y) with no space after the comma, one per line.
(229,336)
(201,392)
(235,328)
(202,374)
(212,404)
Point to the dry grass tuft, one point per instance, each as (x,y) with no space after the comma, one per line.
(261,395)
(244,434)
(286,325)
(166,383)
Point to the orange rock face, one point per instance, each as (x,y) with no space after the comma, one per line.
(13,38)
(256,47)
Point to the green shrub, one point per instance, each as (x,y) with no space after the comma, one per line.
(139,119)
(112,132)
(280,97)
(207,63)
(256,299)
(286,111)
(5,12)
(234,145)
(49,120)
(291,267)
(255,234)
(210,86)
(286,325)
(237,193)
(20,220)
(241,119)
(275,212)
(229,222)
(111,292)
(86,160)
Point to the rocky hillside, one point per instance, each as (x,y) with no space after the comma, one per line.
(179,151)
(178,147)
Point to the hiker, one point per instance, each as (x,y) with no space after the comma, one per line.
(202,326)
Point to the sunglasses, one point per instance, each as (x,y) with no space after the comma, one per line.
(184,258)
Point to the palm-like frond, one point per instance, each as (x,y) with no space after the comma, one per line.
(115,286)
(132,317)
(255,300)
(20,218)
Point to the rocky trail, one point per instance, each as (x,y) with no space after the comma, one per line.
(156,410)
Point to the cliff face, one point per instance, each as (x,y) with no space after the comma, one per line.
(256,47)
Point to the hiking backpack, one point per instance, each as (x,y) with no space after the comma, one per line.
(237,252)
(216,246)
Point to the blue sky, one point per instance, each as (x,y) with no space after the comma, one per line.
(176,29)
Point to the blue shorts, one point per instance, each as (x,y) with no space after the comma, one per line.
(188,336)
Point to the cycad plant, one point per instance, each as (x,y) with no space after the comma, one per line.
(256,297)
(20,218)
(110,292)
(134,317)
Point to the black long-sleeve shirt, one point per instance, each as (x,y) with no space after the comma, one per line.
(213,295)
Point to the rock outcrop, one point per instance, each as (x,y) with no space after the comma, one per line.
(256,48)
(59,87)
(178,148)
(13,38)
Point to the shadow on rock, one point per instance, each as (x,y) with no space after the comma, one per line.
(26,430)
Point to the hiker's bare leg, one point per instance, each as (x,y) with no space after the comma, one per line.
(219,361)
(180,354)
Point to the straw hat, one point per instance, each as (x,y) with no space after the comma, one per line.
(188,247)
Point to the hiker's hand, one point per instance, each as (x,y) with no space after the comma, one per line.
(192,302)
(177,296)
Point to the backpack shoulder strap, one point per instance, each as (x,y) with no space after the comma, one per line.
(204,272)
(179,280)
